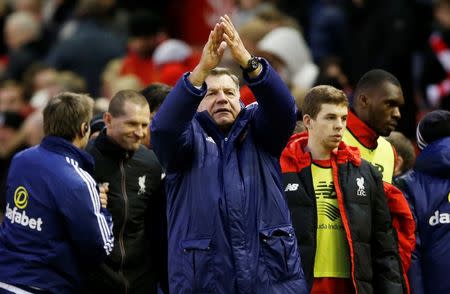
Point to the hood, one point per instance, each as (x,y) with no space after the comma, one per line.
(435,158)
(294,158)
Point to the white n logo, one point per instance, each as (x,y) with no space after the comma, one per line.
(291,187)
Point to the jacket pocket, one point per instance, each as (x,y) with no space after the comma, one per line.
(198,265)
(280,253)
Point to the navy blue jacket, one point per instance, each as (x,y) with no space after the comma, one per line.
(229,226)
(53,225)
(427,188)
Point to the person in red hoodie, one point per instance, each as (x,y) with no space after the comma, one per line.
(338,205)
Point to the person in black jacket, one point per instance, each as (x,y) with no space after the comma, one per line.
(134,176)
(337,203)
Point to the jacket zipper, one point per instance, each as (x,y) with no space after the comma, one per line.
(122,229)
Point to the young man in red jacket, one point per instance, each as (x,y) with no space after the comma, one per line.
(338,205)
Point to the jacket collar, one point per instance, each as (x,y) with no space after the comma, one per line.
(294,158)
(362,132)
(212,130)
(65,148)
(106,145)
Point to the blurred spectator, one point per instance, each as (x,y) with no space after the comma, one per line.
(23,38)
(172,59)
(110,74)
(144,35)
(39,76)
(332,73)
(32,6)
(32,132)
(97,125)
(101,105)
(12,98)
(246,10)
(328,30)
(436,69)
(192,20)
(154,94)
(406,154)
(10,123)
(89,48)
(287,52)
(126,82)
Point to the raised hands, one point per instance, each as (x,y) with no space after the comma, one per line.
(233,40)
(223,35)
(211,56)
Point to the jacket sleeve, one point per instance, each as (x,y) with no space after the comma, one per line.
(415,274)
(172,136)
(89,225)
(275,118)
(388,277)
(404,225)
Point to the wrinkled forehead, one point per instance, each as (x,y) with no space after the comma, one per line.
(222,81)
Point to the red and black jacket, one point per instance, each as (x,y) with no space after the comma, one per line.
(402,218)
(375,262)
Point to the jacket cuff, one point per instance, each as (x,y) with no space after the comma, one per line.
(193,89)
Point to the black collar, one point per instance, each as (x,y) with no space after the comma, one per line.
(108,146)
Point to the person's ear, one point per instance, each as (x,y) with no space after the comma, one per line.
(84,129)
(107,117)
(307,121)
(363,100)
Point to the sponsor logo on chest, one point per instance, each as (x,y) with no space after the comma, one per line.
(439,218)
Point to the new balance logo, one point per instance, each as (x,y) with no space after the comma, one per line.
(361,189)
(291,187)
(439,218)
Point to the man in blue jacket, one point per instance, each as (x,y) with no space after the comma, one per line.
(54,224)
(228,222)
(427,188)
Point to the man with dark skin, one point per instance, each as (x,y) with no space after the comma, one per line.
(374,113)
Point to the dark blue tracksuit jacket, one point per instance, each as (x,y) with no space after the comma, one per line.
(53,225)
(229,226)
(427,188)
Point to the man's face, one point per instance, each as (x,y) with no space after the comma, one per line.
(11,99)
(221,101)
(129,129)
(384,105)
(328,126)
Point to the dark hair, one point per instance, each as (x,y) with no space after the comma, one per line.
(374,78)
(118,100)
(65,113)
(155,94)
(319,95)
